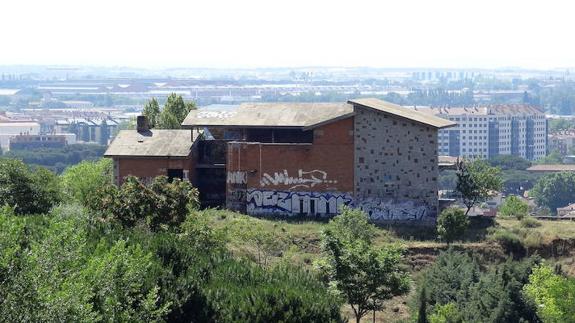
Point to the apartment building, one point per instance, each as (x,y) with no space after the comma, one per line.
(488,131)
(299,159)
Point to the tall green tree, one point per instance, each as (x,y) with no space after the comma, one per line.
(152,112)
(555,190)
(105,133)
(171,115)
(365,276)
(476,182)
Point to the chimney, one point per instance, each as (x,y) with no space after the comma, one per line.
(142,124)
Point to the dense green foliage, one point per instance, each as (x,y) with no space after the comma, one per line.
(513,206)
(28,190)
(364,276)
(459,290)
(57,159)
(451,224)
(553,294)
(477,181)
(507,162)
(160,204)
(554,157)
(81,182)
(116,263)
(560,124)
(171,116)
(555,190)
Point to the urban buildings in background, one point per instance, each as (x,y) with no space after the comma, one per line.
(306,159)
(76,100)
(492,130)
(52,128)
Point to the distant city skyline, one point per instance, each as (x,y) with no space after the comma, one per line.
(485,34)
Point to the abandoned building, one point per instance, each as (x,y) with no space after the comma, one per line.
(291,159)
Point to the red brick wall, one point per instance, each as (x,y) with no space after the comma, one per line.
(148,168)
(331,153)
(324,166)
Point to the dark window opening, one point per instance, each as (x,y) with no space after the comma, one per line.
(280,135)
(175,173)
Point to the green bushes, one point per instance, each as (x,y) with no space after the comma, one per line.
(65,267)
(530,222)
(27,190)
(460,290)
(451,224)
(160,205)
(57,159)
(81,182)
(514,207)
(553,294)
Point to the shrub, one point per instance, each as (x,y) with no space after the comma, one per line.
(510,241)
(460,290)
(451,224)
(80,182)
(552,293)
(514,207)
(161,204)
(530,222)
(28,190)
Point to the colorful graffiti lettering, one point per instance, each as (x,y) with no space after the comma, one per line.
(386,210)
(305,179)
(295,203)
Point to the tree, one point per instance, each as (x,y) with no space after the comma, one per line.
(81,182)
(476,182)
(352,224)
(508,162)
(553,294)
(555,190)
(27,190)
(461,290)
(554,157)
(152,112)
(451,224)
(160,205)
(104,133)
(172,115)
(366,277)
(422,312)
(513,206)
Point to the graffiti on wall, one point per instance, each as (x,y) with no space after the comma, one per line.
(304,179)
(386,210)
(295,203)
(237,177)
(215,114)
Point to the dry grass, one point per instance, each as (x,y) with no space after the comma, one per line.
(549,230)
(303,246)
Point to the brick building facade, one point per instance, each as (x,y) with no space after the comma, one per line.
(310,159)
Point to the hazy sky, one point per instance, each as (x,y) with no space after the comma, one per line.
(253,33)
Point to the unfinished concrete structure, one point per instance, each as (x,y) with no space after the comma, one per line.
(309,159)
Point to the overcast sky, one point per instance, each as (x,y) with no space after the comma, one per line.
(287,33)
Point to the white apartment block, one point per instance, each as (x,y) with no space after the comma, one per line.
(488,131)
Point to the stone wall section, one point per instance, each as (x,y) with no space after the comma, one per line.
(395,167)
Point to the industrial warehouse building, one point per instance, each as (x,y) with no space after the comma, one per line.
(297,159)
